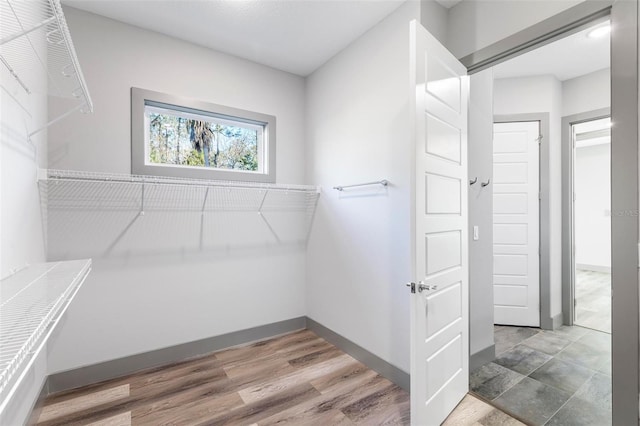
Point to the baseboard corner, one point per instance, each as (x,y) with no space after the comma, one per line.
(482,357)
(372,361)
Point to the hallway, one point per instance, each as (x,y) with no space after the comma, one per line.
(593,300)
(560,377)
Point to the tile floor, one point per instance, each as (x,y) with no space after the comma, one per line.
(593,300)
(560,377)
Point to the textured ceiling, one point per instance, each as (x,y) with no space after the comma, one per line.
(291,35)
(298,36)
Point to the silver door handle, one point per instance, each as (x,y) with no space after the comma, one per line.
(422,286)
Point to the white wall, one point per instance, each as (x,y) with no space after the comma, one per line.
(358,131)
(586,93)
(593,207)
(21,226)
(435,18)
(475,24)
(539,95)
(116,57)
(480,157)
(152,284)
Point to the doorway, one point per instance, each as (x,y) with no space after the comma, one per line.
(545,373)
(624,155)
(591,142)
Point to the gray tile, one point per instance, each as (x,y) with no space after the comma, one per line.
(578,412)
(491,380)
(597,391)
(593,298)
(563,375)
(532,401)
(522,359)
(507,337)
(587,356)
(547,342)
(569,332)
(604,366)
(597,340)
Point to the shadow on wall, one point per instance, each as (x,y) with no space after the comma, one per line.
(126,220)
(16,141)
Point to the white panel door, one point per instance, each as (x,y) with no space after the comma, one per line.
(516,258)
(439,299)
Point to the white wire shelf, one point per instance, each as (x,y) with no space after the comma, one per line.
(118,213)
(34,36)
(61,175)
(31,303)
(107,191)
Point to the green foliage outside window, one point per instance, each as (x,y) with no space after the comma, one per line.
(188,142)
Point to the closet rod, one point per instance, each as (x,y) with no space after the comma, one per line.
(382,182)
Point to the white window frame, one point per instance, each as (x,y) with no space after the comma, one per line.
(144,100)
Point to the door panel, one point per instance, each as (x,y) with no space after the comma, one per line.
(439,313)
(516,261)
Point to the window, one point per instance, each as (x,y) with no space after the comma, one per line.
(180,137)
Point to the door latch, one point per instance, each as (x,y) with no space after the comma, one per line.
(421,287)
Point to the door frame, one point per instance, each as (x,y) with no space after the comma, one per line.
(624,176)
(547,321)
(568,209)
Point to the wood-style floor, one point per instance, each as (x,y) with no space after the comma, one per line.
(296,379)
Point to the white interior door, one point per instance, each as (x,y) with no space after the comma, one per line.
(439,305)
(516,256)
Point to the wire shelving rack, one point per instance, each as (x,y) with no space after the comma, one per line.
(31,303)
(115,210)
(35,39)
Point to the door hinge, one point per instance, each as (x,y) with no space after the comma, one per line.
(540,140)
(539,195)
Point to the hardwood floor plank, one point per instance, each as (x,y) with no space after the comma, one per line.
(302,348)
(387,406)
(468,411)
(138,379)
(264,347)
(260,368)
(81,403)
(206,381)
(263,390)
(123,419)
(265,407)
(315,357)
(341,376)
(331,417)
(331,400)
(183,409)
(294,379)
